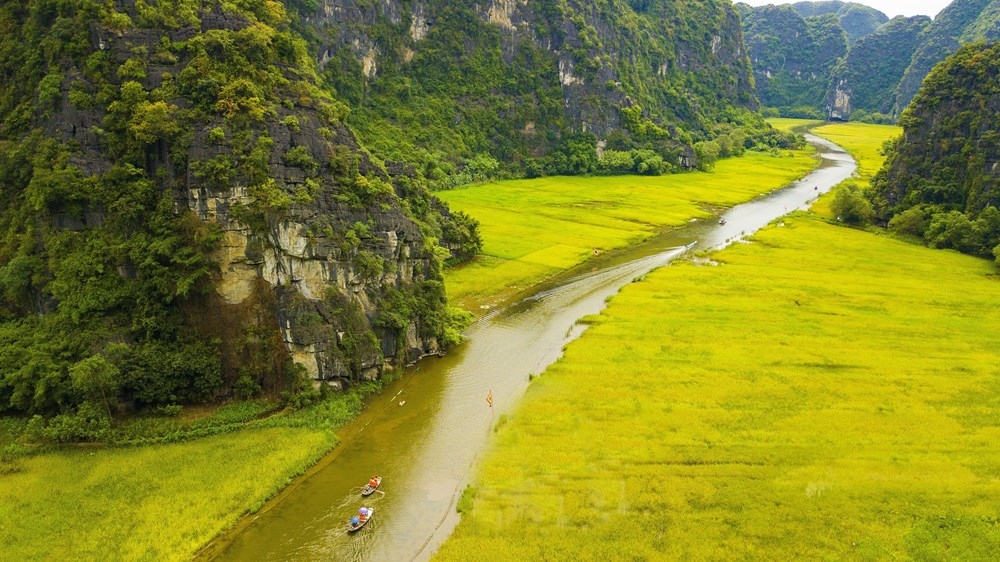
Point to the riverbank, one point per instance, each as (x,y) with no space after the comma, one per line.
(820,392)
(169,500)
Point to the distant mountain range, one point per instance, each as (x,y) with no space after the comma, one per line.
(847,61)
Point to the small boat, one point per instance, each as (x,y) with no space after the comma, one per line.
(357,522)
(369,489)
(722,221)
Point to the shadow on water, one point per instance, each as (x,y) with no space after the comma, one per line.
(424,432)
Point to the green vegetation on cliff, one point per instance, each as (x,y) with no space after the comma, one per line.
(961,22)
(940,182)
(858,20)
(148,152)
(864,82)
(793,57)
(874,76)
(469,92)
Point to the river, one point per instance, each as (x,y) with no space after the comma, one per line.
(424,433)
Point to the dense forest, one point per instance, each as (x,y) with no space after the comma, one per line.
(878,71)
(941,181)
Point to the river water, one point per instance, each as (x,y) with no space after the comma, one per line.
(424,433)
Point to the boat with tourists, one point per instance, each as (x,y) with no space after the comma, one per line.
(361,519)
(371,486)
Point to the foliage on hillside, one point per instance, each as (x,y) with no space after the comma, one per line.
(110,113)
(962,21)
(873,67)
(467,92)
(858,20)
(941,181)
(884,63)
(793,57)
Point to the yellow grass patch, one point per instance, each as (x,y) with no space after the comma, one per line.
(155,503)
(864,142)
(532,229)
(787,123)
(822,393)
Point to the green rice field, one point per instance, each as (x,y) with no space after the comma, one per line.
(864,141)
(154,503)
(820,393)
(535,228)
(787,123)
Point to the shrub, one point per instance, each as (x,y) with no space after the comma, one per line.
(850,205)
(246,388)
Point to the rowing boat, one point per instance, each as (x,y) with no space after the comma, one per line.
(369,489)
(356,522)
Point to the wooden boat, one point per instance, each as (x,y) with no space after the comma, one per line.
(369,489)
(351,527)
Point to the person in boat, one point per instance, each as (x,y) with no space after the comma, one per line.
(363,514)
(355,521)
(374,481)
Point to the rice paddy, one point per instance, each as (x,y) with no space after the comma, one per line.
(532,229)
(820,393)
(155,503)
(864,141)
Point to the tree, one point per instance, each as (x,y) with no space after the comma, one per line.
(851,206)
(96,379)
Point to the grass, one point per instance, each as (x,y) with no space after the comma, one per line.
(823,393)
(787,124)
(149,503)
(165,501)
(533,229)
(864,142)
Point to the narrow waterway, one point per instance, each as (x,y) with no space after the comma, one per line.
(424,433)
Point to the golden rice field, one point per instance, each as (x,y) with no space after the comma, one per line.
(787,123)
(155,503)
(820,393)
(533,229)
(864,141)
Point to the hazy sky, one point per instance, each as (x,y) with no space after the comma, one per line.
(888,7)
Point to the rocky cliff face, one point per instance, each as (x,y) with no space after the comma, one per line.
(868,76)
(792,56)
(961,22)
(512,79)
(195,196)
